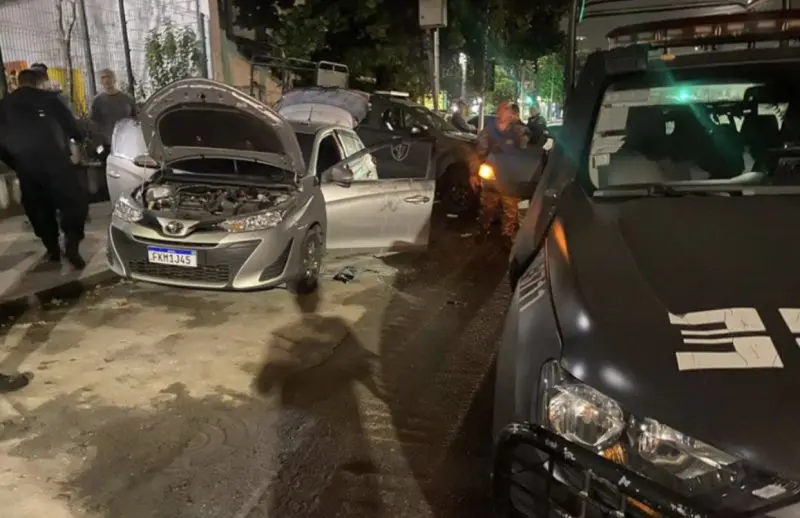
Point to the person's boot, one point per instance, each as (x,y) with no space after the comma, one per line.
(73,256)
(12,382)
(53,254)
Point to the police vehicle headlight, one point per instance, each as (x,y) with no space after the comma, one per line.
(593,420)
(126,210)
(259,221)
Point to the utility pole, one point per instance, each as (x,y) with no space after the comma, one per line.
(484,68)
(436,69)
(433,16)
(126,47)
(201,33)
(3,82)
(87,50)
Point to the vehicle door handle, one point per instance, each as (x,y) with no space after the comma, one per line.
(417,200)
(114,174)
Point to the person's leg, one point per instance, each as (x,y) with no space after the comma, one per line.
(12,382)
(41,212)
(72,201)
(510,216)
(488,213)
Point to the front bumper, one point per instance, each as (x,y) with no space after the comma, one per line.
(536,457)
(225,261)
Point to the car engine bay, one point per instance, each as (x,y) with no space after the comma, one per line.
(200,200)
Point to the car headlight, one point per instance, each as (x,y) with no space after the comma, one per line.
(126,210)
(591,419)
(259,221)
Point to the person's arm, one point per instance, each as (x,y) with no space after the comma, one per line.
(134,111)
(483,143)
(520,135)
(65,119)
(95,111)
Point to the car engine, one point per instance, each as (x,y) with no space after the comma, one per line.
(197,200)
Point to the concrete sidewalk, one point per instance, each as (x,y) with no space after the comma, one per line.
(25,278)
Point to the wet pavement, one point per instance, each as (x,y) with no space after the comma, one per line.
(371,400)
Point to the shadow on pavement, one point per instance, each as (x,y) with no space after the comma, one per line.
(313,367)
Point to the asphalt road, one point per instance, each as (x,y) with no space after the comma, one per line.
(371,400)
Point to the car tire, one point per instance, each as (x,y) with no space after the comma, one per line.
(457,194)
(312,251)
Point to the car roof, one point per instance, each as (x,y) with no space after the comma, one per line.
(313,128)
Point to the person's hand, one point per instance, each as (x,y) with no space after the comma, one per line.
(474,182)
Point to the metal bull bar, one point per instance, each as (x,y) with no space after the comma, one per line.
(603,489)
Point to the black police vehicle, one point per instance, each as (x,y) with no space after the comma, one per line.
(652,348)
(384,115)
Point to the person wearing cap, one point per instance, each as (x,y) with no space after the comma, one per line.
(500,134)
(36,130)
(459,121)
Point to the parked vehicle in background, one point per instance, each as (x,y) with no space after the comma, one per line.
(380,116)
(216,190)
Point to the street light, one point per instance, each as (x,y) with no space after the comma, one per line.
(462,60)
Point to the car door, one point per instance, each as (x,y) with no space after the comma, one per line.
(364,167)
(127,143)
(385,214)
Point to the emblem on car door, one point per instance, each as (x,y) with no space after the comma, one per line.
(173,227)
(400,152)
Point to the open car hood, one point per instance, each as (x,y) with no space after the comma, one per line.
(354,102)
(193,118)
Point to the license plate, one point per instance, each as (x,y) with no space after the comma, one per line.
(172,256)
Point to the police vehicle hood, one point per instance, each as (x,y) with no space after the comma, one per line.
(682,310)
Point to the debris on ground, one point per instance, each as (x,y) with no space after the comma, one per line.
(468,234)
(452,216)
(345,275)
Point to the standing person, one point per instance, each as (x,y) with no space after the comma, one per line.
(499,135)
(537,126)
(109,107)
(12,382)
(48,85)
(36,133)
(459,120)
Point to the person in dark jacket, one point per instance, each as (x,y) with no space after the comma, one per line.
(13,382)
(459,118)
(109,107)
(36,135)
(537,126)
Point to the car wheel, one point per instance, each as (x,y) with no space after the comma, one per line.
(458,195)
(310,263)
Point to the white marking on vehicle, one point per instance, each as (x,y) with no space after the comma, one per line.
(531,286)
(749,352)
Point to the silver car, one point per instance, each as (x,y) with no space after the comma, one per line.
(213,189)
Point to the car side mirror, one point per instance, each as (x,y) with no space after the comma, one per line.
(145,161)
(340,175)
(417,131)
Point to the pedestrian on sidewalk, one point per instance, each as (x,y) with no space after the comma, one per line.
(13,382)
(109,107)
(36,134)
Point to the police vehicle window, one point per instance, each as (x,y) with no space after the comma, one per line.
(127,141)
(391,119)
(199,126)
(329,153)
(698,133)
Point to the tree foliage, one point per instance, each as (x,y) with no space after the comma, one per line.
(382,38)
(173,53)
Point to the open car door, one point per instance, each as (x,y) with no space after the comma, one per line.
(122,174)
(390,213)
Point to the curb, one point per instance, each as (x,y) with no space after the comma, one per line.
(12,308)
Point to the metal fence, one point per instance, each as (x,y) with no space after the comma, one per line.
(88,36)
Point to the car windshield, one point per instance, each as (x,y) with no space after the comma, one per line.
(692,134)
(432,119)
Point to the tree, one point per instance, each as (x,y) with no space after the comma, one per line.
(549,80)
(66,17)
(173,53)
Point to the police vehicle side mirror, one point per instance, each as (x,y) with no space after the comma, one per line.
(145,161)
(340,175)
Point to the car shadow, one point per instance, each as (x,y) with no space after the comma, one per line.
(316,366)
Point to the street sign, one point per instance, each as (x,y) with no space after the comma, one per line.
(432,14)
